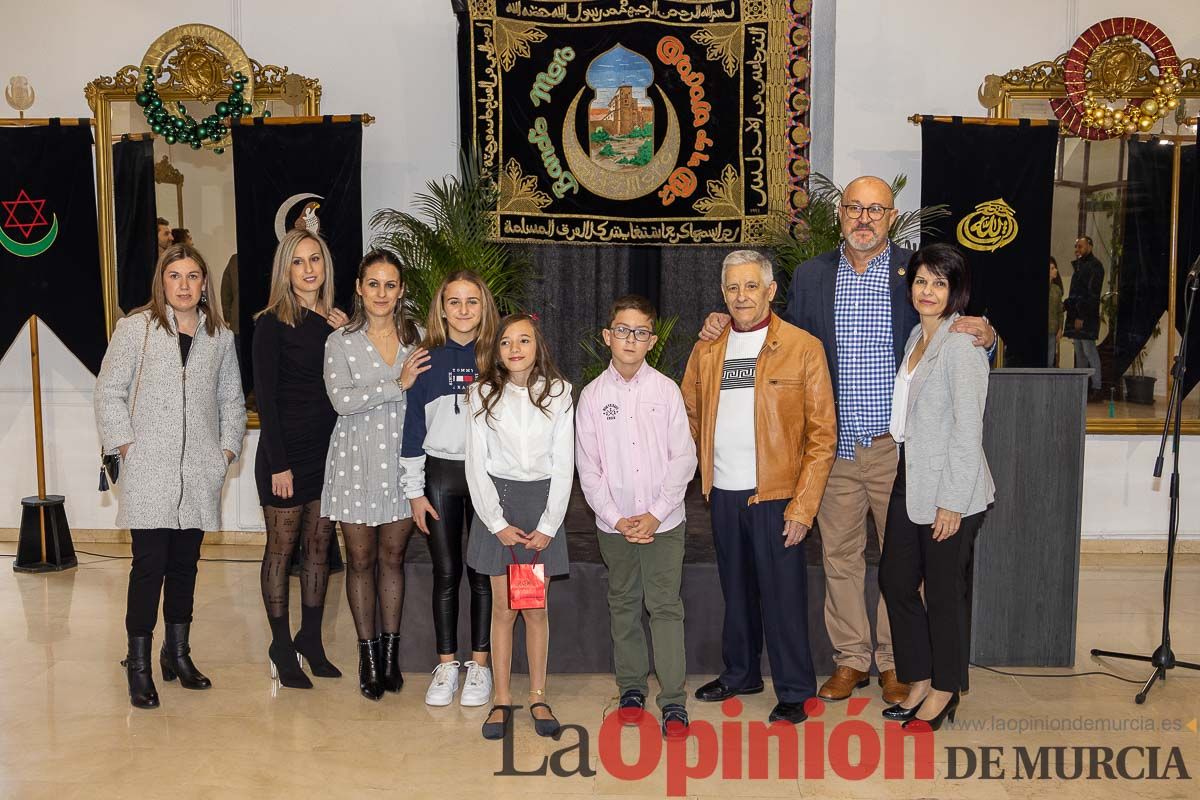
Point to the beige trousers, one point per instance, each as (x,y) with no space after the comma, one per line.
(854,488)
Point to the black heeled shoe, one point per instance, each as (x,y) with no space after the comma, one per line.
(544,727)
(369,684)
(392,680)
(175,658)
(936,723)
(285,667)
(142,693)
(309,645)
(899,713)
(495,730)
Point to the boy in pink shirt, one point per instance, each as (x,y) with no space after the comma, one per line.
(635,456)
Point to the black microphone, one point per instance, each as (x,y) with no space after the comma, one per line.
(1194,273)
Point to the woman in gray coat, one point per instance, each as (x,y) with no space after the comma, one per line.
(169,401)
(942,489)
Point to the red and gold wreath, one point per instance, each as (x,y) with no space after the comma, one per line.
(1085,113)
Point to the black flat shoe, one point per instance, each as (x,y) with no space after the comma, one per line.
(175,658)
(901,714)
(285,667)
(936,723)
(495,730)
(788,712)
(544,727)
(142,693)
(714,691)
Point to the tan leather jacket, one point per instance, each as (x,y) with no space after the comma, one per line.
(795,424)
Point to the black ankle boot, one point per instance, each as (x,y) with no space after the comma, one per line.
(175,658)
(308,643)
(142,693)
(392,679)
(368,668)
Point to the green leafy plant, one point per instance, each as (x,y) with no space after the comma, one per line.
(600,135)
(815,229)
(449,232)
(599,355)
(607,151)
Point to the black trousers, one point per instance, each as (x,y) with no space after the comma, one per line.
(164,563)
(446,489)
(766,592)
(931,638)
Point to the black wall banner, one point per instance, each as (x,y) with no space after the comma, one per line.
(282,172)
(136,212)
(999,184)
(49,250)
(657,122)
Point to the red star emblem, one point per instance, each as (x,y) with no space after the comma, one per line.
(25,225)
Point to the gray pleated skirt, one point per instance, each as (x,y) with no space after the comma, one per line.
(523,503)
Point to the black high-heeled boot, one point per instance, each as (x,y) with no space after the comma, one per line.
(936,723)
(369,657)
(285,663)
(391,679)
(142,693)
(309,645)
(175,658)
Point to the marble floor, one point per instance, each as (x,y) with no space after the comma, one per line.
(67,731)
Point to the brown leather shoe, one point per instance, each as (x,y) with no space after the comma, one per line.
(893,690)
(842,683)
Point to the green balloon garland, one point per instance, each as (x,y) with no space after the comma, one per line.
(186,129)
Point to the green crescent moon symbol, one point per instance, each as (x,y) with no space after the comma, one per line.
(33,248)
(618,185)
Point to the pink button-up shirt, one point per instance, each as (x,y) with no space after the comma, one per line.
(633,448)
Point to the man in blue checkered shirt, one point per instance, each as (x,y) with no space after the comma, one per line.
(855,300)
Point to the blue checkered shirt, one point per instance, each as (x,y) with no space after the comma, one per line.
(866,358)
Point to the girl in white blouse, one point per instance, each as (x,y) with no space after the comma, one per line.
(520,462)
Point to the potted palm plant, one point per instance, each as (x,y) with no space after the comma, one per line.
(449,232)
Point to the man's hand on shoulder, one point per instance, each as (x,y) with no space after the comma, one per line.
(714,324)
(978,327)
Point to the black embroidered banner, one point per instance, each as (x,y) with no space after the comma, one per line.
(657,122)
(999,184)
(49,252)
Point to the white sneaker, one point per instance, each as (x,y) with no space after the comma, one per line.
(444,685)
(477,690)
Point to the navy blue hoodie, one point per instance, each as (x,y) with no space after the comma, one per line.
(436,419)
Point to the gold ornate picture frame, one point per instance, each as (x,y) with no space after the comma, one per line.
(192,63)
(1113,66)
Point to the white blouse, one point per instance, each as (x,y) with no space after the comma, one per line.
(520,442)
(900,395)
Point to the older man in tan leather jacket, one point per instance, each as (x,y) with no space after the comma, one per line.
(760,403)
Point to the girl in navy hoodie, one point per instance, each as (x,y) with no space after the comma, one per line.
(433,453)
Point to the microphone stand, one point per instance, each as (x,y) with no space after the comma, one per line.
(1163,658)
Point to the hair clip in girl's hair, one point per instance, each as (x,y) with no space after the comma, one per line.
(534,316)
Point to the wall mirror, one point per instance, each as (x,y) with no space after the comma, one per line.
(1125,193)
(144,175)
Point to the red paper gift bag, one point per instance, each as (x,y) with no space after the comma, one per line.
(526,583)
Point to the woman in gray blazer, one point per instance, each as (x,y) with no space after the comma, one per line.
(942,489)
(169,400)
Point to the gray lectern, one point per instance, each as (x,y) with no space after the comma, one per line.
(1027,554)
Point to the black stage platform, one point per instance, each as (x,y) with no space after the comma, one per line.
(579,638)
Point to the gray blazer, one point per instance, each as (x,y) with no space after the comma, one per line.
(183,420)
(943,429)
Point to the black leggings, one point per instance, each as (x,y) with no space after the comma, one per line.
(446,490)
(164,563)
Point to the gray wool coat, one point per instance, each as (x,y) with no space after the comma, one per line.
(943,428)
(183,420)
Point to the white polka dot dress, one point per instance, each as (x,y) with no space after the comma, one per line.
(362,474)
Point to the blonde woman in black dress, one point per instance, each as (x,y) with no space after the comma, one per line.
(295,420)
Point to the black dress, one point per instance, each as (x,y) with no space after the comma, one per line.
(295,416)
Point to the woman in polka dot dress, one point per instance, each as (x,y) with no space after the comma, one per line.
(369,366)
